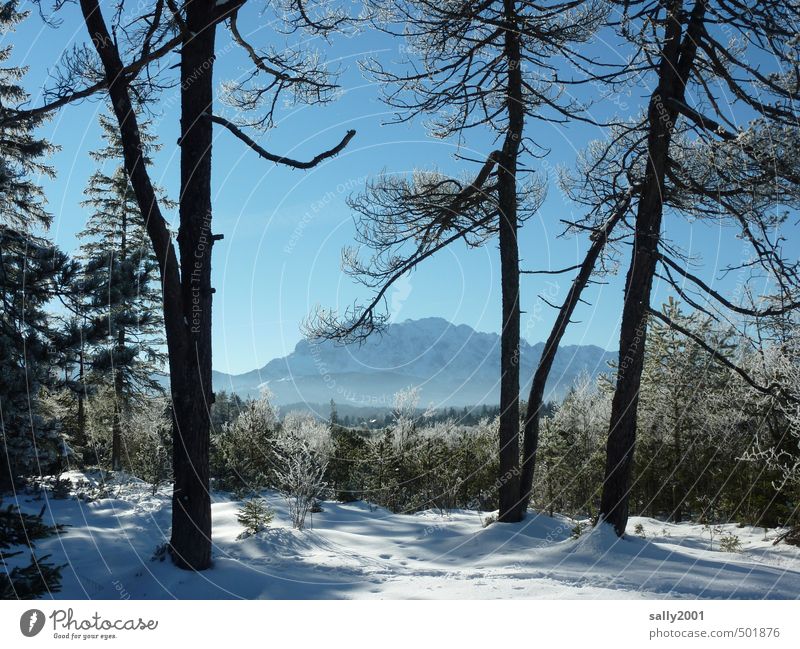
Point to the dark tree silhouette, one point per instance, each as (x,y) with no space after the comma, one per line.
(687,156)
(190,28)
(473,65)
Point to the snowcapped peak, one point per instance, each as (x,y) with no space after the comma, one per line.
(452,364)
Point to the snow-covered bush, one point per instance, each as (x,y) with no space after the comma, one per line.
(570,459)
(300,451)
(147,442)
(404,413)
(242,452)
(415,464)
(730,543)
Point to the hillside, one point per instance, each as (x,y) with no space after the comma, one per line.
(453,365)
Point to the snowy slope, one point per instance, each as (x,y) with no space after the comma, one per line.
(355,551)
(453,365)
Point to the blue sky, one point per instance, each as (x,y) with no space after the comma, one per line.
(284,228)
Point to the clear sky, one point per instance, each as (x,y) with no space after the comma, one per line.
(284,228)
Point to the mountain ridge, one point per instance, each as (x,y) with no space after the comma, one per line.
(453,365)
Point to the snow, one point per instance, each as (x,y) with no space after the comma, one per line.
(355,550)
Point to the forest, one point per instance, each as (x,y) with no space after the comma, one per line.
(690,438)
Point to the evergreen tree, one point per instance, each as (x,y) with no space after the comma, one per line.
(334,416)
(122,278)
(580,422)
(22,203)
(680,456)
(32,272)
(225,409)
(75,334)
(242,450)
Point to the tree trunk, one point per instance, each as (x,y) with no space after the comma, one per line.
(510,504)
(189,366)
(119,383)
(81,440)
(536,396)
(674,69)
(116,424)
(191,389)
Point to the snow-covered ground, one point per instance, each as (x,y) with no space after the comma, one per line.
(356,551)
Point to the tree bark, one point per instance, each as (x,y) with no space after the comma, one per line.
(674,68)
(191,387)
(510,504)
(191,539)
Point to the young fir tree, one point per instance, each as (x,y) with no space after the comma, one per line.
(578,426)
(683,452)
(122,280)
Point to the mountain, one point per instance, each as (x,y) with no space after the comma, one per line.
(453,365)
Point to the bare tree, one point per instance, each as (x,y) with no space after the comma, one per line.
(686,156)
(601,237)
(472,66)
(145,39)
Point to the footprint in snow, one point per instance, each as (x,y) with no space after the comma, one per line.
(385,556)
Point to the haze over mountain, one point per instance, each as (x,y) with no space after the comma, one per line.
(453,365)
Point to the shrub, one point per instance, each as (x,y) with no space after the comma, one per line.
(442,465)
(39,577)
(60,488)
(300,465)
(730,543)
(254,515)
(346,465)
(578,530)
(242,455)
(148,442)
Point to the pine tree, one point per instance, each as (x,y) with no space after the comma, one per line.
(32,272)
(243,449)
(74,336)
(22,203)
(122,278)
(334,416)
(579,424)
(680,457)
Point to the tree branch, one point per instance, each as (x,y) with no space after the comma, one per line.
(289,162)
(714,353)
(721,299)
